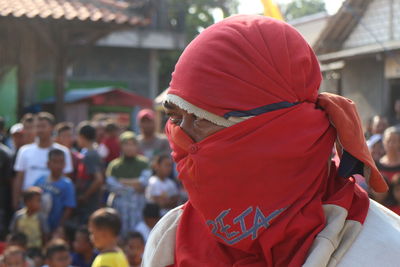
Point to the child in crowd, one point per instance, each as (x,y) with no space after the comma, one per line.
(375,146)
(161,189)
(134,248)
(59,191)
(90,174)
(151,215)
(57,254)
(35,255)
(14,256)
(105,226)
(29,220)
(84,254)
(125,182)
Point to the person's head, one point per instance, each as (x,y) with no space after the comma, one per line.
(36,255)
(391,140)
(134,248)
(14,257)
(82,243)
(196,127)
(375,146)
(56,162)
(86,134)
(17,135)
(104,227)
(379,124)
(29,123)
(111,129)
(32,198)
(57,254)
(65,134)
(162,165)
(129,144)
(395,186)
(146,121)
(45,125)
(151,214)
(17,239)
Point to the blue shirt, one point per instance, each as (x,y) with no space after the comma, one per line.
(79,261)
(57,195)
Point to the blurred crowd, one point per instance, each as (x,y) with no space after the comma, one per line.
(383,140)
(66,188)
(71,192)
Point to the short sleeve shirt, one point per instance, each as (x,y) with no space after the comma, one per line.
(57,196)
(111,259)
(32,160)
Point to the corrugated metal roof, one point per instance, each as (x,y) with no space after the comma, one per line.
(108,11)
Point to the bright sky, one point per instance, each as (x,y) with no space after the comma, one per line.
(255,6)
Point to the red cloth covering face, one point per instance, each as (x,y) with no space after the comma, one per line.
(256,189)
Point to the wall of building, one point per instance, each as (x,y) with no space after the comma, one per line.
(363,81)
(380,23)
(99,67)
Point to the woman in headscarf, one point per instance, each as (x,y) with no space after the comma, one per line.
(252,140)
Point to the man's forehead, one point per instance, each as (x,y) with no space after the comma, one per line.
(169,105)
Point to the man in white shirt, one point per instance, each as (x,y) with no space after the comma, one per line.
(31,162)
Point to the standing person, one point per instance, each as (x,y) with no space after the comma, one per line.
(31,162)
(161,189)
(29,220)
(83,254)
(150,142)
(379,124)
(5,186)
(29,123)
(65,136)
(105,226)
(151,215)
(134,248)
(125,182)
(253,140)
(90,174)
(389,164)
(58,192)
(17,137)
(57,254)
(14,256)
(109,148)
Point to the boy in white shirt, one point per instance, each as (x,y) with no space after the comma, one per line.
(31,162)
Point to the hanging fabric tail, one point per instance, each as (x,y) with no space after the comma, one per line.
(271,9)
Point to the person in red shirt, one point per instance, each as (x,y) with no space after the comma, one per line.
(109,147)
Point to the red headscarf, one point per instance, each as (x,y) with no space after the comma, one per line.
(256,188)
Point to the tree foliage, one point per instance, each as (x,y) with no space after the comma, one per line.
(301,8)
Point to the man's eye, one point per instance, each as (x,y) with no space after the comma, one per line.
(175,120)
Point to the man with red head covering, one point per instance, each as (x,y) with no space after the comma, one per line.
(252,140)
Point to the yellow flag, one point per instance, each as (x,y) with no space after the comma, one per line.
(271,9)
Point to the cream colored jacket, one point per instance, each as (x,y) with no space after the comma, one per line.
(342,243)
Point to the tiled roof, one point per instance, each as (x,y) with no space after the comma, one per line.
(109,11)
